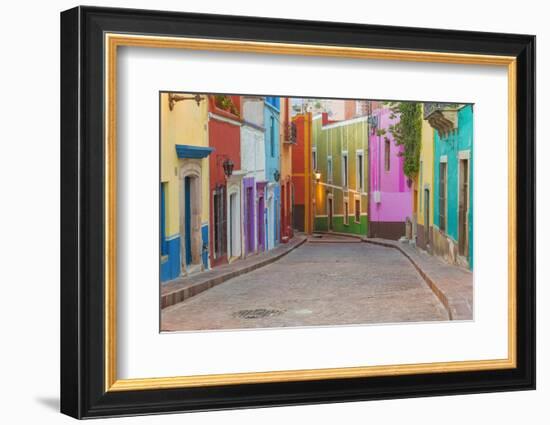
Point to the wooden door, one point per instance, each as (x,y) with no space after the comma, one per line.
(463,208)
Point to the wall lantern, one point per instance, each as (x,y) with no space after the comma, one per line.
(409,182)
(228,167)
(317,176)
(276,175)
(173,98)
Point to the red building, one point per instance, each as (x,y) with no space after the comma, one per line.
(224,132)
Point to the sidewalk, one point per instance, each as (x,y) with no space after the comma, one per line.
(183,288)
(453,285)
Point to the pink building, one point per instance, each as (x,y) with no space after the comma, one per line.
(390,193)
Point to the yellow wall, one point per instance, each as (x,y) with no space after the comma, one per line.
(186,124)
(425,177)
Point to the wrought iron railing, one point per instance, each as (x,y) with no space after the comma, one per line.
(290,133)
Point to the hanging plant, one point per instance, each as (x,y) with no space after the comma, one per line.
(226,103)
(408,133)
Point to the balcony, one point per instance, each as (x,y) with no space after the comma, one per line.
(443,117)
(290,133)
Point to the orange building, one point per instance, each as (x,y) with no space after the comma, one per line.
(302,174)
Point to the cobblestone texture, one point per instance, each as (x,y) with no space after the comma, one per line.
(317,284)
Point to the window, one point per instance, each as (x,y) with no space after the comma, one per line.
(344,170)
(346,212)
(163,244)
(272,136)
(358,211)
(314,159)
(442,195)
(387,153)
(360,171)
(329,169)
(220,234)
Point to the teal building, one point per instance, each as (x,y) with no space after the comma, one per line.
(453,177)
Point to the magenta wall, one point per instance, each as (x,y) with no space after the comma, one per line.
(395,197)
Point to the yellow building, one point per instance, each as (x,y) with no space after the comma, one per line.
(184,174)
(423,185)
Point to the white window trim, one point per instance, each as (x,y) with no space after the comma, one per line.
(314,158)
(329,174)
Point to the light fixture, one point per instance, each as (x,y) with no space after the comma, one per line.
(276,175)
(317,176)
(228,167)
(173,98)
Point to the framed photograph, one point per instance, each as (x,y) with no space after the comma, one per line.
(261,212)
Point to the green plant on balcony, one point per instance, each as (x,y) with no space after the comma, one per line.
(226,103)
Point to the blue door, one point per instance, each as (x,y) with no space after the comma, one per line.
(187,189)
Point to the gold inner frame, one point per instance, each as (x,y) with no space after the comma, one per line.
(113,41)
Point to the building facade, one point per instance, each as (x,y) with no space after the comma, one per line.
(273,172)
(184,189)
(302,175)
(453,176)
(287,138)
(391,197)
(423,190)
(224,128)
(254,175)
(339,159)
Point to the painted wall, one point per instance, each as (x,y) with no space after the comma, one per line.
(302,174)
(330,140)
(425,177)
(395,196)
(285,149)
(450,146)
(186,124)
(272,166)
(224,130)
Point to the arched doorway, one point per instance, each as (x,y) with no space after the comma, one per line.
(190,216)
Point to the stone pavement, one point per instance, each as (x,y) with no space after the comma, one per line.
(183,288)
(453,285)
(317,284)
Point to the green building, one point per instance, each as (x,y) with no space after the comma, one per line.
(340,166)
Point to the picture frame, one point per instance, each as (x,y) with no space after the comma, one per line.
(90,39)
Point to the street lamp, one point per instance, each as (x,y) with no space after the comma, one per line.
(228,167)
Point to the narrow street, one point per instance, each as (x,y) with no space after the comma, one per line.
(337,282)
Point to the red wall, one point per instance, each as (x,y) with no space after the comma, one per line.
(225,138)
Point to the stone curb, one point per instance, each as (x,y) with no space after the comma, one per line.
(457,309)
(181,294)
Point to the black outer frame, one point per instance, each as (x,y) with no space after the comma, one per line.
(82,212)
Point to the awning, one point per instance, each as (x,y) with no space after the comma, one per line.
(194,152)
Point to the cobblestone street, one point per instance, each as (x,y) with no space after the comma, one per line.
(335,282)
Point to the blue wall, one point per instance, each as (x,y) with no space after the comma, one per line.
(450,145)
(272,155)
(205,242)
(170,263)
